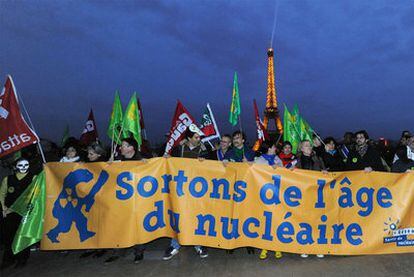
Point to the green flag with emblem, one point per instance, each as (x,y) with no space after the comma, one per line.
(306,131)
(31,206)
(235,103)
(115,121)
(290,131)
(131,121)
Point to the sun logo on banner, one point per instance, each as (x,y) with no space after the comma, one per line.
(391,225)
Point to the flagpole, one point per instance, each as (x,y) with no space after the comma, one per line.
(31,124)
(320,139)
(241,130)
(214,120)
(119,137)
(112,141)
(280,136)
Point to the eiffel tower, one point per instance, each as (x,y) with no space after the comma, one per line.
(271,111)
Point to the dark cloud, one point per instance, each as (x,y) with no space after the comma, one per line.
(340,61)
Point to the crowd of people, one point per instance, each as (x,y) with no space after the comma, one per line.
(356,152)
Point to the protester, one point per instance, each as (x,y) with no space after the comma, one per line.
(410,149)
(72,152)
(5,170)
(146,150)
(407,141)
(11,188)
(32,154)
(96,153)
(307,159)
(403,163)
(191,146)
(269,157)
(331,157)
(318,146)
(224,147)
(194,149)
(239,152)
(349,140)
(405,136)
(347,145)
(364,157)
(286,155)
(129,152)
(51,150)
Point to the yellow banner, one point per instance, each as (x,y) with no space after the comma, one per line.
(102,205)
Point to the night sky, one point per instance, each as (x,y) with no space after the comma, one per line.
(347,64)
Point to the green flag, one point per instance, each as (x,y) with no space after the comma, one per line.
(290,132)
(115,121)
(131,120)
(296,118)
(235,103)
(306,131)
(31,206)
(65,136)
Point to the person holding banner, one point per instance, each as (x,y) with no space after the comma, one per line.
(403,163)
(347,145)
(96,153)
(307,159)
(269,157)
(364,157)
(240,152)
(11,188)
(286,156)
(71,153)
(129,152)
(225,144)
(331,157)
(192,148)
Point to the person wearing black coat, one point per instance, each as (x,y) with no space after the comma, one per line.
(364,157)
(129,152)
(307,159)
(403,164)
(331,157)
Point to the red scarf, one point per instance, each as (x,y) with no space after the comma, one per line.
(286,159)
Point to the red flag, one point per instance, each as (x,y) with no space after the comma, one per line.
(181,121)
(262,134)
(89,133)
(208,125)
(141,120)
(14,131)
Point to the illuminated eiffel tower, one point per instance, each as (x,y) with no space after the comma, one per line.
(271,111)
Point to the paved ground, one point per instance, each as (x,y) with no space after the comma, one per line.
(186,263)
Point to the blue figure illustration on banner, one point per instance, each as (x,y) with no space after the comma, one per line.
(68,206)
